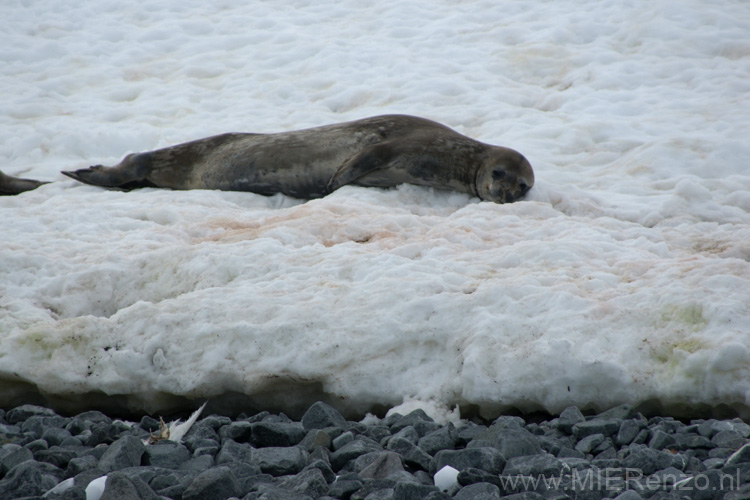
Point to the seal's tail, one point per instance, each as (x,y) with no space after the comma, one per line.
(120,176)
(10,185)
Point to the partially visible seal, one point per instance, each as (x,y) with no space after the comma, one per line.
(10,185)
(382,151)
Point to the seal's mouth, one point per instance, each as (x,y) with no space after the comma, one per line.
(512,188)
(511,195)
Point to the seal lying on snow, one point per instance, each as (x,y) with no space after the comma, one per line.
(14,185)
(382,151)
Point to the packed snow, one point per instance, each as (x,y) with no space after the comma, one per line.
(622,277)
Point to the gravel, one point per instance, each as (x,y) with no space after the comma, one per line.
(618,454)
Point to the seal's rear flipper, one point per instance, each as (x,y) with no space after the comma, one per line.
(129,174)
(96,176)
(102,176)
(10,185)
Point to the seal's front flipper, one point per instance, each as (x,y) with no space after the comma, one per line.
(361,164)
(130,173)
(10,185)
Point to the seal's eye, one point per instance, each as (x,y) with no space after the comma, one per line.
(498,174)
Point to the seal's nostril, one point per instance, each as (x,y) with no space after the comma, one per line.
(523,187)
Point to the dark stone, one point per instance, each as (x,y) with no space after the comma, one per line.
(385,464)
(93,417)
(125,452)
(280,461)
(36,425)
(71,442)
(723,453)
(473,476)
(169,480)
(101,433)
(57,456)
(10,434)
(360,462)
(232,451)
(198,464)
(23,412)
(667,477)
(405,477)
(629,429)
(252,483)
(629,495)
(553,445)
(442,439)
(467,432)
(591,484)
(30,478)
(692,441)
(486,459)
(342,440)
(407,434)
(216,422)
(569,417)
(516,443)
(587,444)
(412,419)
(352,450)
(375,489)
(309,482)
(525,495)
(80,464)
(343,488)
(55,435)
(575,463)
(533,465)
(319,453)
(281,417)
(412,491)
(244,470)
(377,432)
(320,416)
(272,492)
(706,486)
(166,454)
(218,483)
(122,487)
(597,426)
(206,447)
(478,491)
(317,438)
(412,455)
(740,456)
(646,459)
(642,436)
(276,434)
(507,422)
(240,432)
(437,495)
(149,424)
(605,452)
(324,467)
(12,455)
(660,440)
(570,453)
(199,433)
(622,412)
(728,439)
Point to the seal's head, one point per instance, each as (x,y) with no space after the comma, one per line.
(504,176)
